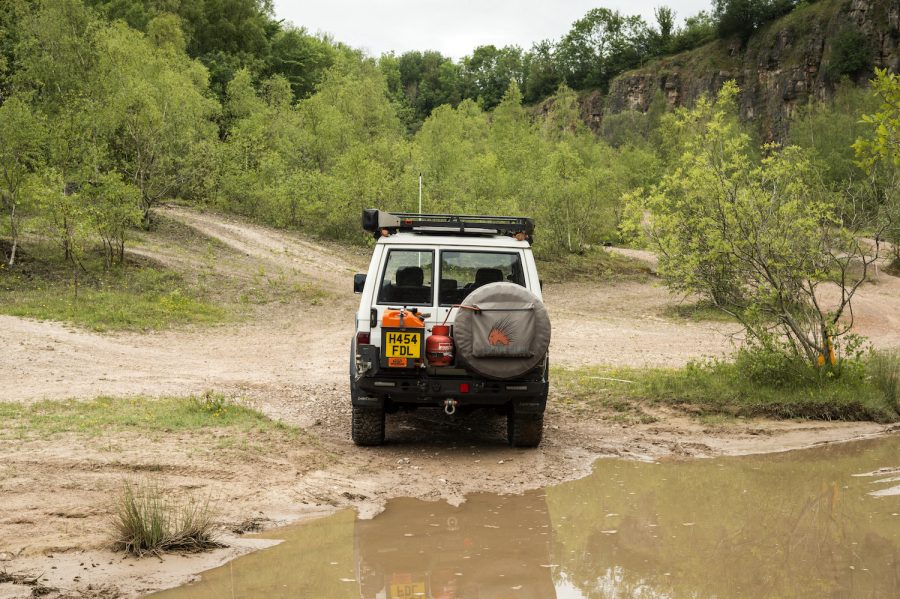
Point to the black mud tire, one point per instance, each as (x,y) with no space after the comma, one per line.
(524,430)
(368,425)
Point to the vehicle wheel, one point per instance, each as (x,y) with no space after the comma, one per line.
(524,430)
(368,425)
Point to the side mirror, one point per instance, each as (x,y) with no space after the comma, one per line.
(359,283)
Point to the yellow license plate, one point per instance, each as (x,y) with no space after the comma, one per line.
(402,344)
(407,590)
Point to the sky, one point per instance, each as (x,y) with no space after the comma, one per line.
(456,27)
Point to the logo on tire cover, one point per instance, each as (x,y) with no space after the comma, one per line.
(500,333)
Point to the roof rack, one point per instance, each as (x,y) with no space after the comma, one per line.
(378,221)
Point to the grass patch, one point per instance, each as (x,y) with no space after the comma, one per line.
(592,265)
(136,296)
(723,388)
(105,414)
(884,370)
(697,312)
(146,519)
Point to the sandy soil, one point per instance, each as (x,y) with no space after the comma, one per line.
(289,360)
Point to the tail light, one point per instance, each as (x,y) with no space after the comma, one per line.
(362,338)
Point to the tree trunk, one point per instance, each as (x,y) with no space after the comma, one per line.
(12,254)
(14,230)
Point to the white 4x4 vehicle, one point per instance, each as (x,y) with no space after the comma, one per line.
(451,316)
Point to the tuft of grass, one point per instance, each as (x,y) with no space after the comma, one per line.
(724,388)
(136,296)
(147,520)
(106,414)
(884,369)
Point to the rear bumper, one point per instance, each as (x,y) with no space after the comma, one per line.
(417,388)
(434,390)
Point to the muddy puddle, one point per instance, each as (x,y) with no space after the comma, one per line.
(817,523)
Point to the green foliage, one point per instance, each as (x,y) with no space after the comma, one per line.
(759,235)
(225,35)
(114,209)
(22,135)
(827,131)
(541,71)
(851,55)
(600,45)
(697,30)
(878,152)
(743,17)
(162,109)
(729,388)
(883,146)
(489,71)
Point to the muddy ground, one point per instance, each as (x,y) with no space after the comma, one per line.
(289,359)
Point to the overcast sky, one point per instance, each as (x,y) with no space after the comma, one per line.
(455,27)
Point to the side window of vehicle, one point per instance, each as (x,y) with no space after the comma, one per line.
(407,278)
(462,272)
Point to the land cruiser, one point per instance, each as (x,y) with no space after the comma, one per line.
(450,316)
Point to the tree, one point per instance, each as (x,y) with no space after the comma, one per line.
(161,109)
(423,81)
(22,139)
(759,239)
(884,144)
(697,30)
(488,72)
(601,45)
(878,153)
(665,22)
(113,207)
(743,17)
(541,67)
(301,58)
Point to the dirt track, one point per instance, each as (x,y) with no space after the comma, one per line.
(289,360)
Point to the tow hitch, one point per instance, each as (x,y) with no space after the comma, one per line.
(450,406)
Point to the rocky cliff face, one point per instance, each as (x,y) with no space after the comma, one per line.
(779,69)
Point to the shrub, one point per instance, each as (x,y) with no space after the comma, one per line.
(146,521)
(851,55)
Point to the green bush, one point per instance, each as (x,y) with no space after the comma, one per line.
(851,55)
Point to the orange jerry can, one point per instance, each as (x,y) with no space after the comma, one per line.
(402,339)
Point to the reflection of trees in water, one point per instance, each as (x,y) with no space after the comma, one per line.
(778,525)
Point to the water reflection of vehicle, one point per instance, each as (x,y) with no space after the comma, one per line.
(490,547)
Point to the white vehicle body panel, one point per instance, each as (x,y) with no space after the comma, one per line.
(433,243)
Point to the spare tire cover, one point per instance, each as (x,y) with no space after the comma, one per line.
(501,331)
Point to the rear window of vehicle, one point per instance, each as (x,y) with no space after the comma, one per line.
(462,272)
(407,278)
